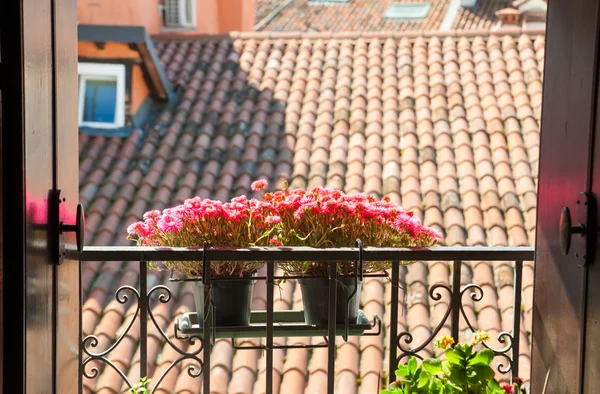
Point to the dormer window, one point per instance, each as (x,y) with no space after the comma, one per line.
(101,95)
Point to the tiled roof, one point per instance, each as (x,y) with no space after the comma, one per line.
(448,127)
(265,7)
(369,15)
(482,16)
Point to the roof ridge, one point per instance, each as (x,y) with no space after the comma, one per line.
(260,35)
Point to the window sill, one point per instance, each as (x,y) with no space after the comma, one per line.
(164,29)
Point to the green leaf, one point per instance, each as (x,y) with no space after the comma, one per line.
(484,356)
(412,364)
(450,387)
(424,379)
(436,386)
(468,349)
(403,371)
(458,375)
(460,350)
(479,375)
(433,366)
(446,367)
(453,356)
(484,372)
(493,384)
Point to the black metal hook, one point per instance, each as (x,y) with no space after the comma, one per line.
(205,269)
(358,273)
(360,258)
(376,322)
(177,329)
(213,328)
(210,312)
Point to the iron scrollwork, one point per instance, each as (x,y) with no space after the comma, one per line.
(503,337)
(91,341)
(476,294)
(407,337)
(122,296)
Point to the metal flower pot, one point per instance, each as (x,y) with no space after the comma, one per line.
(315,297)
(231,298)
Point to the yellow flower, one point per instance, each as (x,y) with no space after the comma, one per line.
(480,337)
(444,342)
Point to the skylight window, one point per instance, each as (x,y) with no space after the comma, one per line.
(408,11)
(325,2)
(101,95)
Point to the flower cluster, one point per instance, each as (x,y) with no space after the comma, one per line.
(236,223)
(480,337)
(326,218)
(318,217)
(444,342)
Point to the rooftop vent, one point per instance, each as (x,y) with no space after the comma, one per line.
(509,16)
(408,11)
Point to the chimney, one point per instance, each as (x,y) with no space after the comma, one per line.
(533,12)
(508,17)
(468,3)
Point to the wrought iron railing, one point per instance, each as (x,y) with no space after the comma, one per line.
(400,344)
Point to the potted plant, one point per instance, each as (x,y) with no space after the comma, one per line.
(329,218)
(236,223)
(464,370)
(318,217)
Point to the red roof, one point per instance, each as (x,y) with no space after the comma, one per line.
(369,15)
(447,126)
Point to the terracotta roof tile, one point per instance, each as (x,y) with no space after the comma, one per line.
(425,120)
(366,17)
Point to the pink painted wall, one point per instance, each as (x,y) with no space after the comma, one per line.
(213,16)
(119,12)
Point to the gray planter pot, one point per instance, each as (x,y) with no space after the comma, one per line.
(315,296)
(232,299)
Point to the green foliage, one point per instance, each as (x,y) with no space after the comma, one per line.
(463,371)
(141,387)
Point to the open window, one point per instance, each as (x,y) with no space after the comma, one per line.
(101,95)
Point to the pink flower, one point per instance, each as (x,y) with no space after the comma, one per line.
(273,219)
(133,228)
(299,213)
(275,242)
(433,234)
(152,214)
(234,214)
(411,225)
(169,223)
(508,388)
(259,185)
(518,381)
(239,199)
(141,229)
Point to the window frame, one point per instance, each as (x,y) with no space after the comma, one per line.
(102,71)
(191,22)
